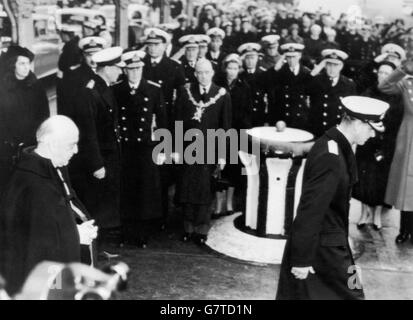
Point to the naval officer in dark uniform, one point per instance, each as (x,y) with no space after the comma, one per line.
(326,90)
(317,262)
(289,100)
(141,111)
(95,170)
(190,45)
(254,75)
(78,76)
(215,54)
(202,105)
(169,74)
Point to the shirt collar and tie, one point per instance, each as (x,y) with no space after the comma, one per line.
(204,90)
(295,70)
(251,71)
(155,62)
(134,86)
(334,81)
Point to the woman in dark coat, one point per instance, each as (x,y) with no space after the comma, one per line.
(241,105)
(23,107)
(374,158)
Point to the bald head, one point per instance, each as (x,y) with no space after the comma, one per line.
(204,72)
(56,127)
(57,139)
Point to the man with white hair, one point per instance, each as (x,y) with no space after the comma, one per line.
(41,217)
(201,105)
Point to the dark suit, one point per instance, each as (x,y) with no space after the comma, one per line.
(195,180)
(319,236)
(325,104)
(96,115)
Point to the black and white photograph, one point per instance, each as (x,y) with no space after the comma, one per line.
(218,152)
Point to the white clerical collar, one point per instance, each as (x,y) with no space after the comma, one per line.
(201,88)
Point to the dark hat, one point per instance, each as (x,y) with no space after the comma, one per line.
(16,51)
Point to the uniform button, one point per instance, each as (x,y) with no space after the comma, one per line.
(298,114)
(139,139)
(255,109)
(287,114)
(110,110)
(287,105)
(160,81)
(338,117)
(124,129)
(325,114)
(256,101)
(324,123)
(299,105)
(126,139)
(257,93)
(140,129)
(339,108)
(123,118)
(123,108)
(145,109)
(325,105)
(326,96)
(410,91)
(143,119)
(287,96)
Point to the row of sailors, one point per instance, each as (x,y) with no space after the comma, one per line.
(273,96)
(92,95)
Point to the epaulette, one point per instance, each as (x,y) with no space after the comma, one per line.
(154,83)
(263,69)
(90,84)
(333,147)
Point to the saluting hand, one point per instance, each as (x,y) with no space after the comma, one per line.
(100,174)
(302,273)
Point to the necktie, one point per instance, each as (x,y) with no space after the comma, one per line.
(154,63)
(204,94)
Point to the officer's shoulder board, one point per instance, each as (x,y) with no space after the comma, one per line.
(154,83)
(332,147)
(90,84)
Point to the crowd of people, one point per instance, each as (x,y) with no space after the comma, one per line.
(222,69)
